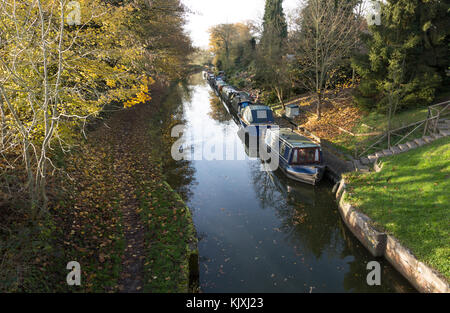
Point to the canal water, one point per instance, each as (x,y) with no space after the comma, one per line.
(258,231)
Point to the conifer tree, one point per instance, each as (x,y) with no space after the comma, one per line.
(271,69)
(415,35)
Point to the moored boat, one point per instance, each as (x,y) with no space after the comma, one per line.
(239,100)
(220,84)
(257,118)
(227,92)
(300,158)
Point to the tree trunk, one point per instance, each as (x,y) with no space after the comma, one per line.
(279,92)
(319,105)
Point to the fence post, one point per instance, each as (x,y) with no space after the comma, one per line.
(426,123)
(389,139)
(437,121)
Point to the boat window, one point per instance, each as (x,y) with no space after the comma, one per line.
(286,152)
(282,149)
(295,155)
(306,156)
(261,114)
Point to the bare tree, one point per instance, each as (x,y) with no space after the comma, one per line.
(324,36)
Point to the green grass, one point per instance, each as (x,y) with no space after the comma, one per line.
(410,199)
(169,232)
(377,122)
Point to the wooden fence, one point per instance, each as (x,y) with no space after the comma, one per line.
(399,135)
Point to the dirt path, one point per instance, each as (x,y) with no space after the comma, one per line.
(128,134)
(131,277)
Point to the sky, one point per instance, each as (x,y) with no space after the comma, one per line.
(208,13)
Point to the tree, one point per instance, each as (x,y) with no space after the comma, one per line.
(274,28)
(233,46)
(48,71)
(324,37)
(156,28)
(55,77)
(272,66)
(220,40)
(416,32)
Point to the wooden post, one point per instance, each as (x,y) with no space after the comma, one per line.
(426,123)
(389,139)
(436,122)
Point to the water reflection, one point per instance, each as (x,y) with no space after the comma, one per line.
(259,231)
(179,174)
(218,111)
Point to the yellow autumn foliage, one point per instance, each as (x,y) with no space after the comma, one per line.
(143,95)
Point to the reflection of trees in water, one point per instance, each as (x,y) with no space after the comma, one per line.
(306,212)
(195,80)
(179,174)
(218,111)
(355,278)
(312,225)
(187,90)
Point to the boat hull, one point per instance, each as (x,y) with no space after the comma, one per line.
(310,174)
(312,179)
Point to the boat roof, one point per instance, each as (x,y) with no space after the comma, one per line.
(259,107)
(296,140)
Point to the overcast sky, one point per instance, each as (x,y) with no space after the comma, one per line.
(213,12)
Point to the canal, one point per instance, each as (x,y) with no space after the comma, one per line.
(258,231)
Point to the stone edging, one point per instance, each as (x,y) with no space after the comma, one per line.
(420,275)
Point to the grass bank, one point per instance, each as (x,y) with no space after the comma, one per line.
(409,199)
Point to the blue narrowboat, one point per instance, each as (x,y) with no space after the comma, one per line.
(239,100)
(300,158)
(256,118)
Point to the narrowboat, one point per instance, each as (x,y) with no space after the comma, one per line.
(227,91)
(300,157)
(220,84)
(256,118)
(210,78)
(240,100)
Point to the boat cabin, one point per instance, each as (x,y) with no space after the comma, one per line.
(227,91)
(294,148)
(220,84)
(240,100)
(257,114)
(300,157)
